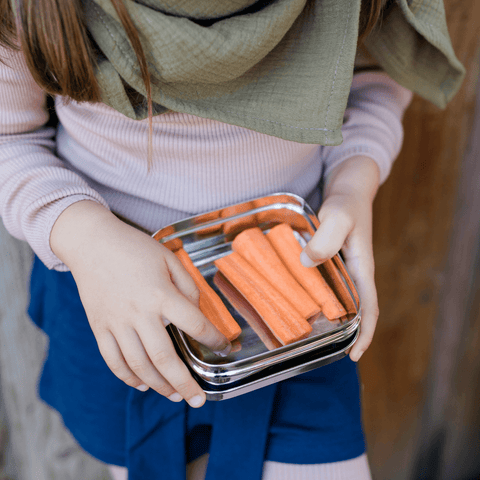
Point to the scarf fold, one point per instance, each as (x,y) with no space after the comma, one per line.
(279,67)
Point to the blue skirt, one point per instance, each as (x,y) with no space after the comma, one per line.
(312,418)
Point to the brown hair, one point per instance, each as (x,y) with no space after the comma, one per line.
(370,14)
(58,50)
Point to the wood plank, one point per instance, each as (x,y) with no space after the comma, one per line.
(413,216)
(450,423)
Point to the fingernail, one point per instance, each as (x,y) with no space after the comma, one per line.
(306,260)
(165,322)
(175,397)
(196,401)
(142,387)
(224,352)
(356,358)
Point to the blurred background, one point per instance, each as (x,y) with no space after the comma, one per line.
(420,377)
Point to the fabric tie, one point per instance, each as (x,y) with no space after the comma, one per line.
(155,435)
(239,447)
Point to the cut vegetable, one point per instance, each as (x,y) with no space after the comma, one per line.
(281,215)
(288,249)
(173,244)
(207,217)
(339,285)
(340,265)
(249,314)
(286,324)
(254,247)
(210,303)
(238,224)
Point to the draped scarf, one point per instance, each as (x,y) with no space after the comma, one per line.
(279,67)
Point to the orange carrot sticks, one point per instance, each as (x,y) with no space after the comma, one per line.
(286,245)
(236,225)
(206,217)
(249,314)
(282,215)
(210,304)
(281,318)
(339,285)
(254,247)
(340,265)
(172,245)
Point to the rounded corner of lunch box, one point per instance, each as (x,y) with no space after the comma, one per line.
(278,373)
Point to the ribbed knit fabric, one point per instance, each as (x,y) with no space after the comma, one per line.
(354,469)
(198,164)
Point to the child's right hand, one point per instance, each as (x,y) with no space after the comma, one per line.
(129,285)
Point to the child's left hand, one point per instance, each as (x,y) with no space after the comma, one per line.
(346,223)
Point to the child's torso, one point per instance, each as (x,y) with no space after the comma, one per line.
(197,164)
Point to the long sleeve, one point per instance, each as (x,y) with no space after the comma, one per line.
(35,187)
(372,122)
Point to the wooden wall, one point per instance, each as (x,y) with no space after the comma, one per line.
(449,434)
(413,217)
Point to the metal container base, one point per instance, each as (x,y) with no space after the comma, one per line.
(279,372)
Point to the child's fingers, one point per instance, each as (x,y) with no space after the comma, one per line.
(328,239)
(162,354)
(360,264)
(344,225)
(188,318)
(139,361)
(114,359)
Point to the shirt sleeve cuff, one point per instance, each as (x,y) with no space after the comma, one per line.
(375,152)
(40,238)
(372,123)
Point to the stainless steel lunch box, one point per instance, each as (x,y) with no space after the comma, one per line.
(256,360)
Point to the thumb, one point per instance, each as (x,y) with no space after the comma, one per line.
(328,239)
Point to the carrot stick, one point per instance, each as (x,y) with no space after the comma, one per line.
(237,225)
(286,245)
(249,314)
(282,319)
(339,285)
(172,245)
(340,265)
(210,304)
(254,247)
(282,215)
(206,217)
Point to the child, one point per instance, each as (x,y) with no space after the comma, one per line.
(168,109)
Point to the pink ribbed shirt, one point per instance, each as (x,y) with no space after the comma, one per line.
(198,164)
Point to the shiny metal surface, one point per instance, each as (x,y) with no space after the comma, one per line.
(207,237)
(305,363)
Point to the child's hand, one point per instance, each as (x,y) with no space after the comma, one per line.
(346,223)
(130,285)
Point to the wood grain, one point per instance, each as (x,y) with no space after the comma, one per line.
(450,422)
(413,216)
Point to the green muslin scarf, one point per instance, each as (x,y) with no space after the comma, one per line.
(279,67)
